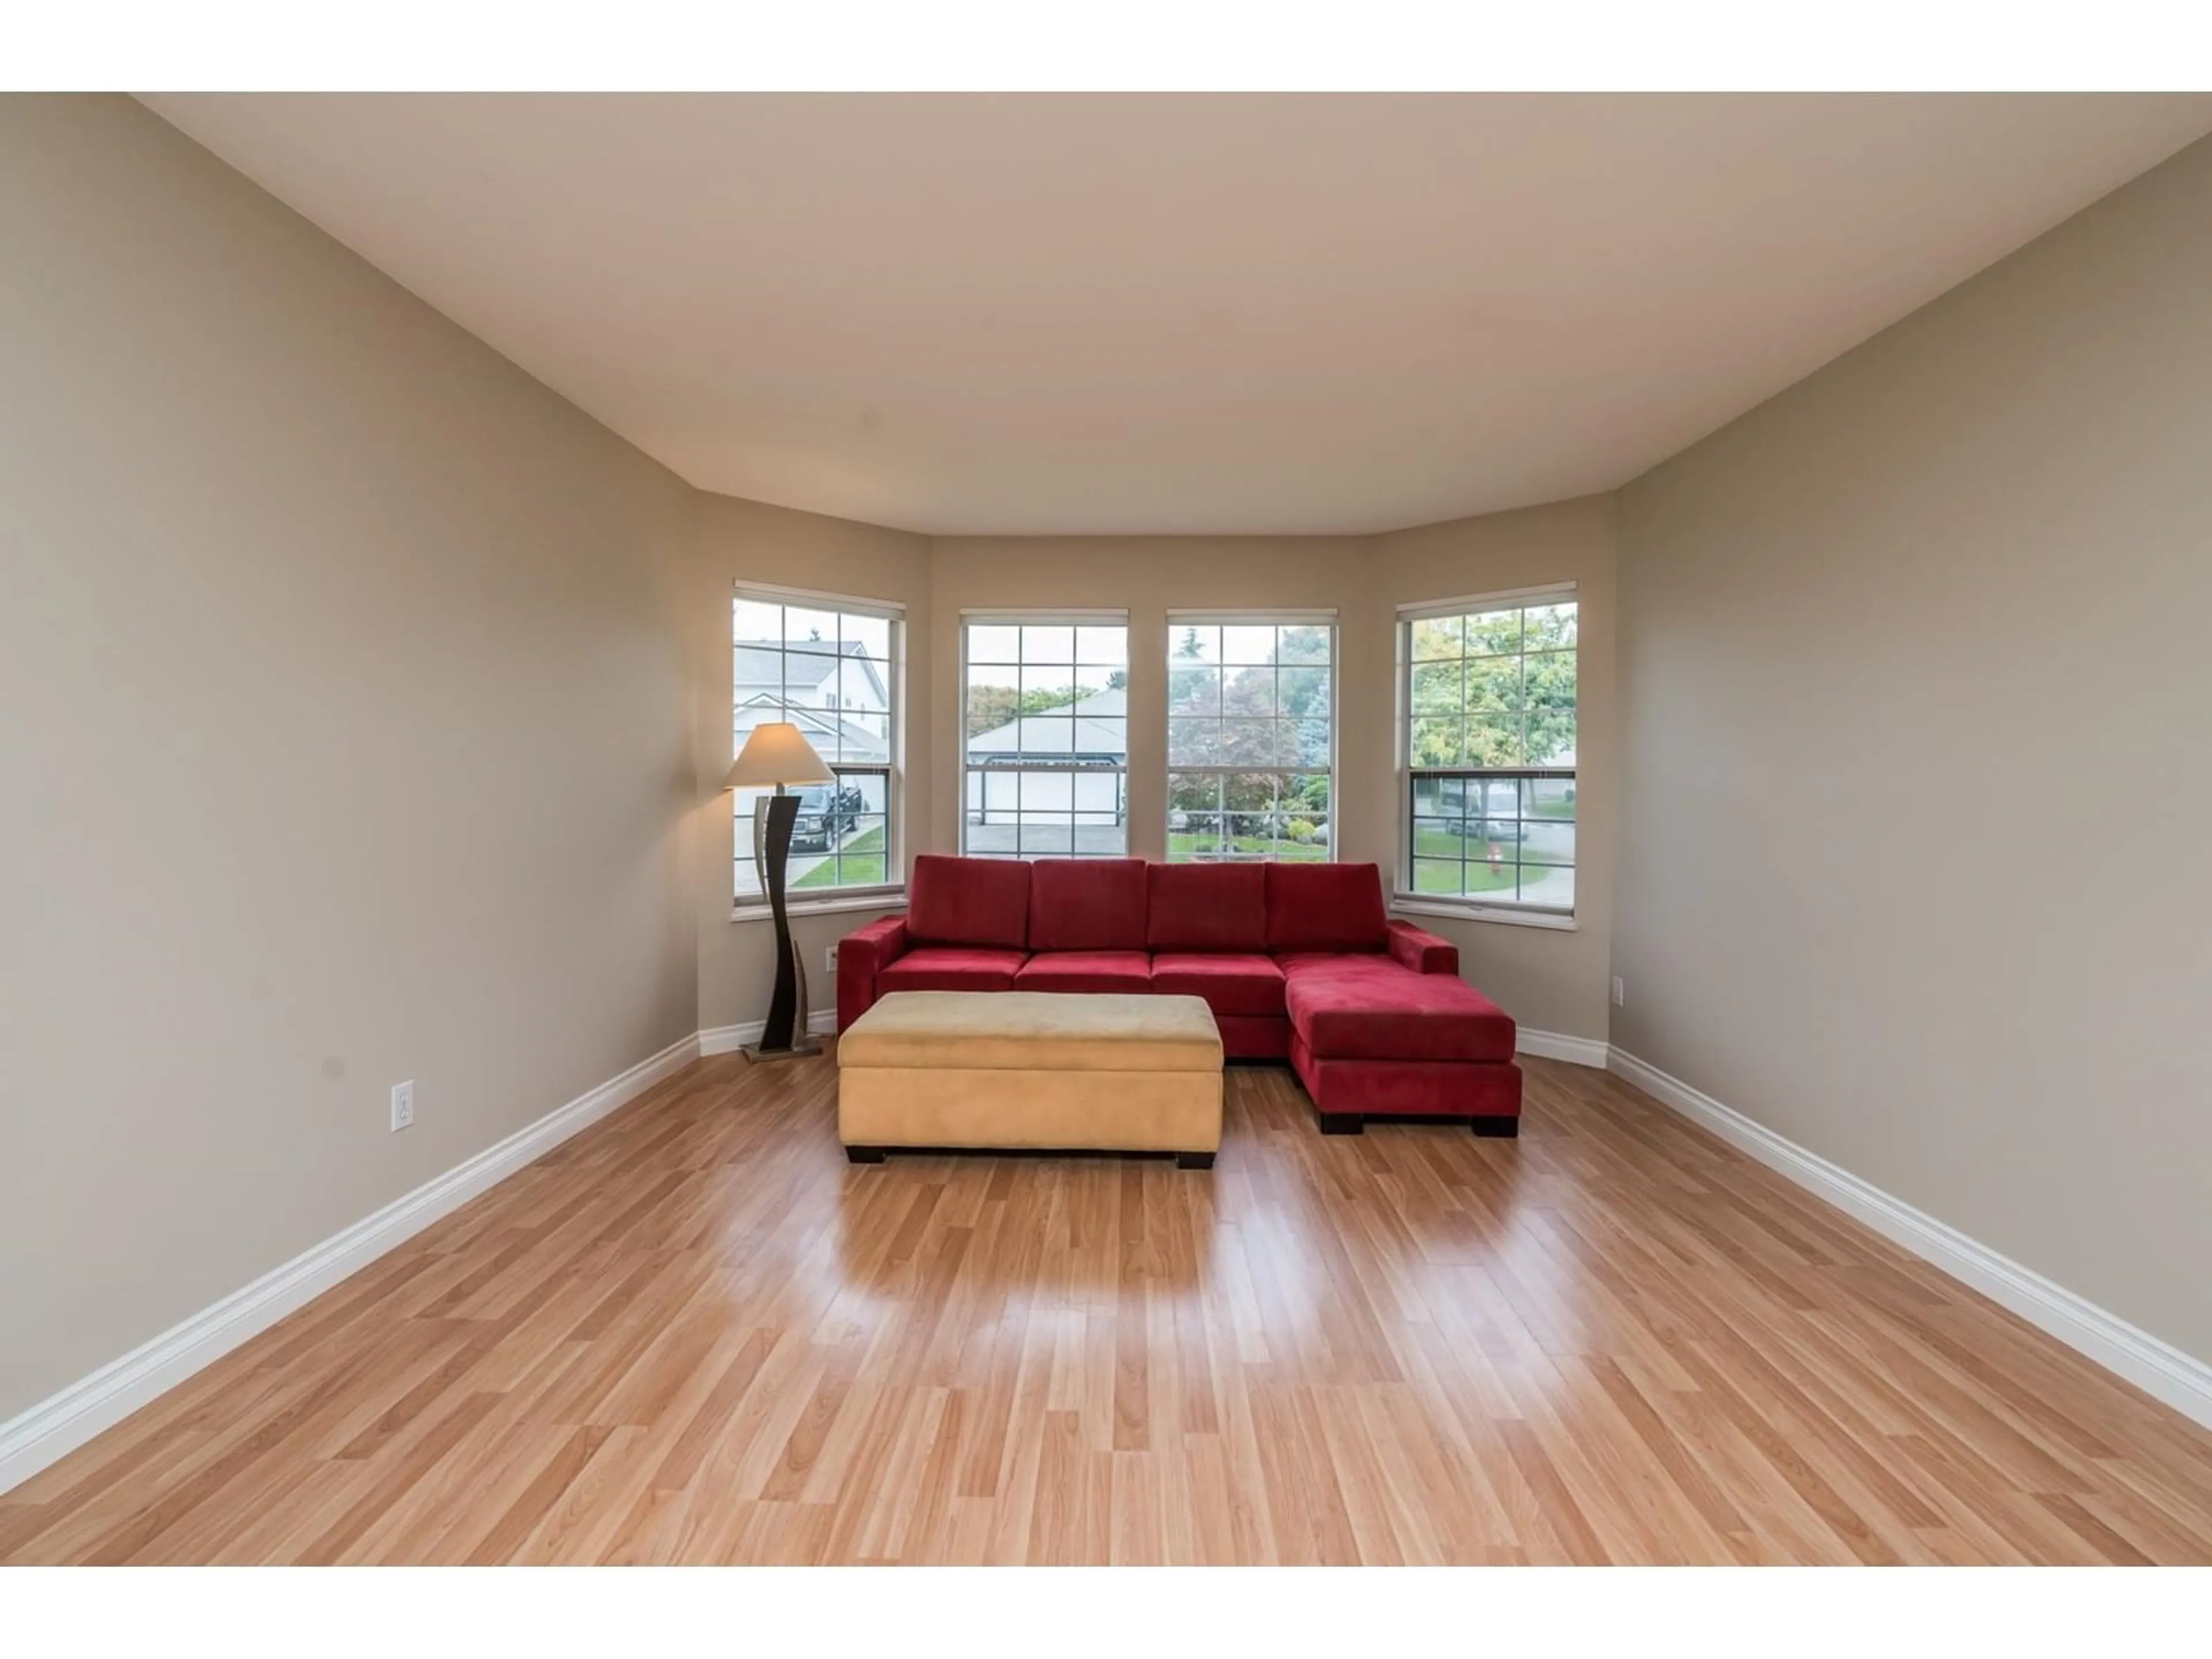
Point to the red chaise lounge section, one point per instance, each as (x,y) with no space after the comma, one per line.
(1296,960)
(1381,1024)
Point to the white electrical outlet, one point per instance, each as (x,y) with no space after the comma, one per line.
(1619,991)
(829,959)
(402,1105)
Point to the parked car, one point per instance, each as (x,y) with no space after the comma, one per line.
(826,811)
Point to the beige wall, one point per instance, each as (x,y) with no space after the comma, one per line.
(731,541)
(1914,861)
(1547,980)
(342,728)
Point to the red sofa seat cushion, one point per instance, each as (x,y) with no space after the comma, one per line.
(982,902)
(1130,972)
(952,968)
(1236,984)
(1377,1010)
(1087,904)
(1326,907)
(1295,962)
(1205,907)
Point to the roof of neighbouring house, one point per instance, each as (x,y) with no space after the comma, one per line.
(836,738)
(763,665)
(1047,734)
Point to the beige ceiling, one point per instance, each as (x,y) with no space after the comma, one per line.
(1158,313)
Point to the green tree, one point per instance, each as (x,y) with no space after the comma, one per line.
(1499,704)
(1270,714)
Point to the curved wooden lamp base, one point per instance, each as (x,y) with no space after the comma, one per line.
(784,1036)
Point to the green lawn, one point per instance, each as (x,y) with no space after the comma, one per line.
(1445,877)
(1481,876)
(1184,845)
(1445,844)
(862,859)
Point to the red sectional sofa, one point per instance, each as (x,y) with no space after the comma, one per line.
(1296,960)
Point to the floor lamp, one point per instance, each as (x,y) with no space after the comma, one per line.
(777,754)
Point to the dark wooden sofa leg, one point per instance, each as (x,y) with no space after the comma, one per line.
(1193,1160)
(864,1154)
(1498,1128)
(1342,1123)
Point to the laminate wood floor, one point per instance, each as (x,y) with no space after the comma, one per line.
(695,1334)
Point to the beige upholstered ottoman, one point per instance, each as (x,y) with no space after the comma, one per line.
(1023,1069)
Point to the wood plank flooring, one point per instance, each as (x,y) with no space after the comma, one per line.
(694,1333)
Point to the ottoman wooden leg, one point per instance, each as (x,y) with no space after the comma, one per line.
(1498,1128)
(1342,1123)
(864,1154)
(1193,1160)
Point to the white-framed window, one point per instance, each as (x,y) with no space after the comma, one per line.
(1251,736)
(833,667)
(1486,750)
(1044,723)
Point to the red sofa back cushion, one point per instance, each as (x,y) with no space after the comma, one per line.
(970,901)
(1087,904)
(1206,907)
(1326,907)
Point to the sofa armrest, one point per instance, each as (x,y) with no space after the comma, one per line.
(861,955)
(1421,950)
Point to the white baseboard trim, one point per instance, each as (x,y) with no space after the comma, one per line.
(59,1424)
(1558,1045)
(2158,1368)
(728,1039)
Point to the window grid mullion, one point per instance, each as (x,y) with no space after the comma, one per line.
(840,639)
(1246,705)
(1034,669)
(1522,817)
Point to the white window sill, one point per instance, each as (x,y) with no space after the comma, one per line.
(1407,906)
(889,899)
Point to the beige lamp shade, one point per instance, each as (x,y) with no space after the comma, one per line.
(775,754)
